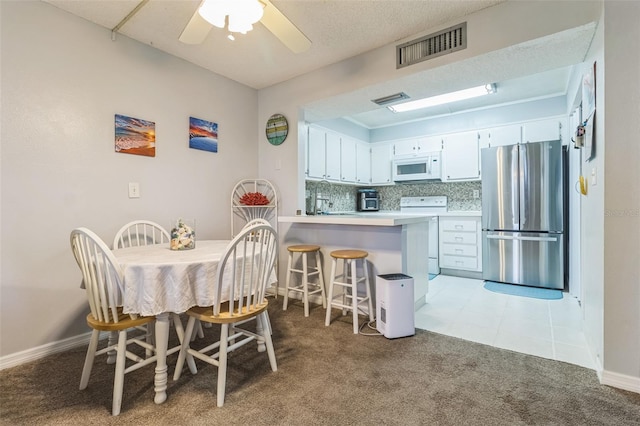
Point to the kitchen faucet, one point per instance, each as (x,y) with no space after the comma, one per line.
(320,206)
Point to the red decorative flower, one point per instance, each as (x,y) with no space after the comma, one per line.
(254,199)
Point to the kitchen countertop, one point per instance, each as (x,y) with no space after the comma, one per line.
(381,218)
(367,219)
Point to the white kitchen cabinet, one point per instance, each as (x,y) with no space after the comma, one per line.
(316,153)
(363,163)
(460,157)
(381,154)
(429,144)
(323,154)
(405,147)
(460,243)
(333,157)
(348,158)
(542,130)
(500,136)
(417,146)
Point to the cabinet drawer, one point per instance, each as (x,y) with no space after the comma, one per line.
(459,225)
(459,237)
(459,250)
(458,262)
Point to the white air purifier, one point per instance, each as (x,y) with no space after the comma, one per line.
(395,316)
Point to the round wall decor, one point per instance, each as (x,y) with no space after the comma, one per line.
(277,129)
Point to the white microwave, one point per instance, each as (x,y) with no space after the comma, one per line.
(424,167)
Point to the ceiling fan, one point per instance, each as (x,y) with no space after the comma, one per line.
(198,27)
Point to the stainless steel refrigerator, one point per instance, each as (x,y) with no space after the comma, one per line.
(523,214)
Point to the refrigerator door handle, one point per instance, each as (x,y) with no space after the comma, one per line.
(520,238)
(515,199)
(524,178)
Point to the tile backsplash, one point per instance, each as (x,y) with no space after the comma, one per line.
(341,197)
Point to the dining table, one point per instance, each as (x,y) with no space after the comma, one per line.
(159,281)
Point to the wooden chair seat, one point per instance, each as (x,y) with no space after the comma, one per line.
(205,313)
(124,321)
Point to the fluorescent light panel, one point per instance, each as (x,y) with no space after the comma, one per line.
(445,98)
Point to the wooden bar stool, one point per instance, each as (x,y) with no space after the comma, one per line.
(350,282)
(303,287)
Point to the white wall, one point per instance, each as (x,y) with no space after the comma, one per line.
(63,79)
(591,221)
(621,187)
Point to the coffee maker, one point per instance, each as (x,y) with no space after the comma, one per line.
(368,200)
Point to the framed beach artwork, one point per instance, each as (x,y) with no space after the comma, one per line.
(203,135)
(135,136)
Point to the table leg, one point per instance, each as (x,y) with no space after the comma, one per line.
(162,341)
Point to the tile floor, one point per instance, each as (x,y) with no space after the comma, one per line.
(463,308)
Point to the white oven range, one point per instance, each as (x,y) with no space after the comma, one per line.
(428,205)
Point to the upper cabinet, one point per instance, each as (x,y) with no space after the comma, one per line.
(381,163)
(542,130)
(363,162)
(316,153)
(417,146)
(500,136)
(460,157)
(348,156)
(333,156)
(337,158)
(323,154)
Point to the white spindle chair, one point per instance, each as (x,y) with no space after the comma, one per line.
(246,270)
(103,281)
(140,233)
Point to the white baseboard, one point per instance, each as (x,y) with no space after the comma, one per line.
(620,381)
(43,351)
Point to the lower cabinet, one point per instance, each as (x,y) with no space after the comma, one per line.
(460,243)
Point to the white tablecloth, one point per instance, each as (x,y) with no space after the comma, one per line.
(158,279)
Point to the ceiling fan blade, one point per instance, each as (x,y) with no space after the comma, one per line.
(284,29)
(196,30)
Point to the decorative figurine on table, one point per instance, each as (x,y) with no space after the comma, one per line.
(183,236)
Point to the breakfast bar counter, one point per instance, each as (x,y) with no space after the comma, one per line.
(395,243)
(364,219)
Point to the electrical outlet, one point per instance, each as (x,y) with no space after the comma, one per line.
(134,190)
(476,193)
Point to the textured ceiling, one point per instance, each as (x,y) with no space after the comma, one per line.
(340,29)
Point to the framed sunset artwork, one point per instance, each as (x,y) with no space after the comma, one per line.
(203,134)
(135,136)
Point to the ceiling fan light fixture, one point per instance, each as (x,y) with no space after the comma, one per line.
(242,13)
(485,89)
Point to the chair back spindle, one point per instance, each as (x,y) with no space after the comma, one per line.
(248,265)
(140,233)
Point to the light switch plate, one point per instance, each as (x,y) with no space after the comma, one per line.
(134,190)
(594,176)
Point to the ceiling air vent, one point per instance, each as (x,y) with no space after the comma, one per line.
(391,98)
(437,44)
